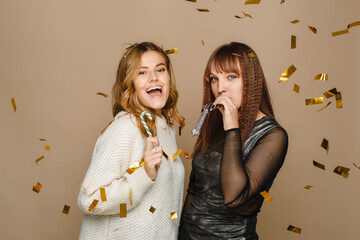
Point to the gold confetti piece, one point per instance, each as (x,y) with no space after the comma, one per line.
(247,15)
(103,194)
(252,2)
(179,130)
(342,171)
(334,34)
(130,197)
(325,144)
(285,76)
(356,165)
(293,42)
(165,155)
(319,165)
(93,205)
(177,153)
(324,107)
(102,94)
(202,42)
(294,21)
(313,101)
(296,88)
(313,29)
(330,93)
(191,1)
(173,216)
(40,158)
(84,189)
(294,229)
(308,187)
(171,51)
(47,147)
(203,10)
(186,154)
(338,100)
(282,1)
(37,187)
(237,16)
(42,139)
(13,104)
(66,209)
(353,24)
(133,167)
(251,55)
(321,76)
(267,196)
(102,131)
(123,211)
(152,209)
(142,162)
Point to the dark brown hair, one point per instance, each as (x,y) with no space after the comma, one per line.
(241,59)
(125,97)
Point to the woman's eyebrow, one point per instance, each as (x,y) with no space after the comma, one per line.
(157,65)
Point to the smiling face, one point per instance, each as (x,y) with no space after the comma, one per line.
(226,84)
(152,84)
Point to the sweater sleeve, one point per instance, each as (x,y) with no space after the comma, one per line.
(241,180)
(119,146)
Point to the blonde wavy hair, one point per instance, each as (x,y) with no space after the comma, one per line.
(125,97)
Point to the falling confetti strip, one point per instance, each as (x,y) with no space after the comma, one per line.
(325,144)
(354,24)
(202,42)
(123,211)
(287,74)
(296,88)
(319,165)
(66,209)
(47,147)
(102,94)
(330,93)
(37,187)
(321,76)
(152,209)
(13,104)
(42,139)
(334,34)
(171,51)
(252,2)
(266,196)
(313,29)
(293,42)
(294,21)
(342,171)
(313,101)
(282,1)
(93,205)
(173,216)
(294,229)
(324,107)
(39,159)
(338,100)
(177,153)
(103,194)
(309,187)
(356,165)
(203,10)
(191,1)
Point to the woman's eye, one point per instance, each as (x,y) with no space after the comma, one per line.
(232,76)
(141,72)
(213,79)
(161,70)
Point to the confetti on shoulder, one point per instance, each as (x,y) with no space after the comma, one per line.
(248,2)
(171,51)
(102,94)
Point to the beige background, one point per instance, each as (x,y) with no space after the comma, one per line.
(56,55)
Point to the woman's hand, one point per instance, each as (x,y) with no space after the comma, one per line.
(229,111)
(152,158)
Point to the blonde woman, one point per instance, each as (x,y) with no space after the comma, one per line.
(151,193)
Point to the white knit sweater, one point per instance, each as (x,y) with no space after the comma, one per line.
(115,150)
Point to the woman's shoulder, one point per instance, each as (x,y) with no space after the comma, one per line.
(123,123)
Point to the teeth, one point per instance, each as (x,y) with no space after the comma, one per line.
(153,88)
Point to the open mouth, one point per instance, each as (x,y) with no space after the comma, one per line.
(154,91)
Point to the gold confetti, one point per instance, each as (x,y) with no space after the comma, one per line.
(296,88)
(130,197)
(13,104)
(338,100)
(342,171)
(356,165)
(42,139)
(186,154)
(171,51)
(321,76)
(66,209)
(177,153)
(294,21)
(308,187)
(251,55)
(203,10)
(319,165)
(294,229)
(330,93)
(323,107)
(142,162)
(102,94)
(285,76)
(133,167)
(152,209)
(246,15)
(266,196)
(325,144)
(165,155)
(237,16)
(334,34)
(202,42)
(103,194)
(47,147)
(293,42)
(252,2)
(37,187)
(123,211)
(313,29)
(353,24)
(40,158)
(93,205)
(282,1)
(313,101)
(191,1)
(84,189)
(173,216)
(102,131)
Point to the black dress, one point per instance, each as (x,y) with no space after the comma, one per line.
(223,197)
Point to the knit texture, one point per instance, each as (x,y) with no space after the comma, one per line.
(115,150)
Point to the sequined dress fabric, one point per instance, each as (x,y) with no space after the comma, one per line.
(223,195)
